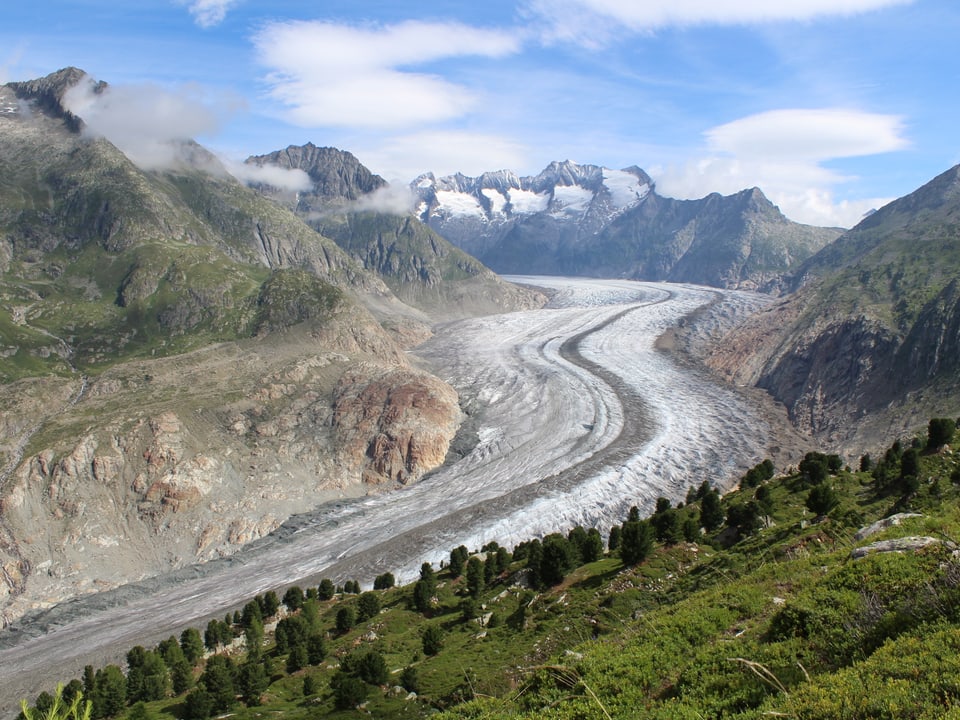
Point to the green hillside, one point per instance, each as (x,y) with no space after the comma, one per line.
(780,609)
(895,262)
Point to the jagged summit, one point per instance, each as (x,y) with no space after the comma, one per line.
(582,219)
(46,94)
(591,193)
(54,85)
(335,174)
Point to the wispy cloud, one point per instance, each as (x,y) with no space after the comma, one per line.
(208,13)
(329,74)
(288,179)
(393,199)
(594,22)
(784,153)
(12,60)
(146,122)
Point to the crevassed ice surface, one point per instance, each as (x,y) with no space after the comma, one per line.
(694,429)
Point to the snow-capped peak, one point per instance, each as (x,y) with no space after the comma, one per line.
(565,189)
(625,188)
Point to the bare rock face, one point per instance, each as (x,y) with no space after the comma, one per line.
(395,427)
(189,458)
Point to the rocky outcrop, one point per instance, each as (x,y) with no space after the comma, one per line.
(883,524)
(175,472)
(900,545)
(395,427)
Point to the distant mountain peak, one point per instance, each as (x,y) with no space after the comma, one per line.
(46,94)
(564,188)
(574,218)
(337,175)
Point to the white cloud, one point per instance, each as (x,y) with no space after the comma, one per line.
(442,152)
(809,134)
(596,21)
(782,152)
(393,199)
(289,179)
(330,74)
(147,123)
(207,13)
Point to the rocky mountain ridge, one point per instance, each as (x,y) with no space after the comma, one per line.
(575,219)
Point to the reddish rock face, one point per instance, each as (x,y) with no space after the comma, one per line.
(396,426)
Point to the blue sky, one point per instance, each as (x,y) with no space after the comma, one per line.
(832,107)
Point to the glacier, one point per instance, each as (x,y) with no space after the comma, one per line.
(579,414)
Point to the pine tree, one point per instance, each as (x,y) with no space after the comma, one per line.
(432,640)
(368,606)
(192,644)
(325,590)
(252,681)
(711,511)
(475,582)
(636,541)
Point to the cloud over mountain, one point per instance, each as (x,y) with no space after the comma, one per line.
(145,121)
(784,151)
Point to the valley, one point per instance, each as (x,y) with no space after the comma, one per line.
(576,412)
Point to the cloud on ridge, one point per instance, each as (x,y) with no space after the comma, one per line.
(393,199)
(330,74)
(288,179)
(147,123)
(783,153)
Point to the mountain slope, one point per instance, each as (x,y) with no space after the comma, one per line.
(185,363)
(873,329)
(587,220)
(344,203)
(770,613)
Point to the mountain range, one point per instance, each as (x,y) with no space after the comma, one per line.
(587,220)
(420,267)
(866,344)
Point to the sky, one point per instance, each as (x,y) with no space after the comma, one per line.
(831,107)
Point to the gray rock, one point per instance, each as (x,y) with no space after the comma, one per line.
(906,544)
(892,521)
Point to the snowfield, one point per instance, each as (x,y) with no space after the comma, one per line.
(577,416)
